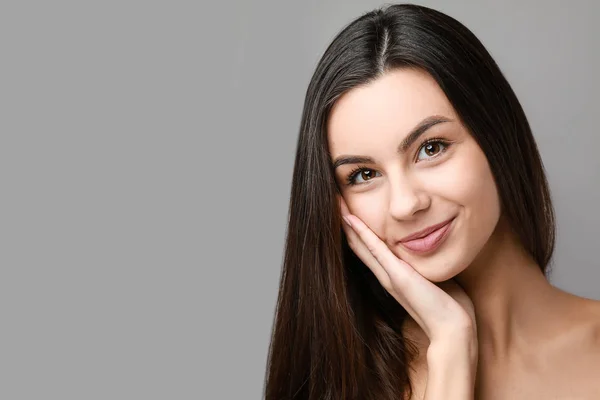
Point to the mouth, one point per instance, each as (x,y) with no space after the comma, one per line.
(429,242)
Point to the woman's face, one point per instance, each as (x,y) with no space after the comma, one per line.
(404,162)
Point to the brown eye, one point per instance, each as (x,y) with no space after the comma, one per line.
(431,149)
(366,174)
(361,175)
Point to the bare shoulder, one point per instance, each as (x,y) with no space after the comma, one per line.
(586,350)
(582,347)
(583,338)
(566,366)
(593,326)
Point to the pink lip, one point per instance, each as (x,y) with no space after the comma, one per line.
(426,231)
(428,239)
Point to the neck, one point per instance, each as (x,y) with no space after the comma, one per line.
(516,307)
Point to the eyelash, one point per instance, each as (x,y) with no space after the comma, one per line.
(351,179)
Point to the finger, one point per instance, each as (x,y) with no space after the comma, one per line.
(380,251)
(429,305)
(367,258)
(359,248)
(420,297)
(343,206)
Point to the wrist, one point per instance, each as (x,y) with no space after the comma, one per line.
(461,352)
(452,369)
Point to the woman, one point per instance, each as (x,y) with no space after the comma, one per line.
(435,286)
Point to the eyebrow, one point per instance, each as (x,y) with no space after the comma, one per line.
(412,137)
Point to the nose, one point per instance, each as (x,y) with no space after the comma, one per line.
(406,198)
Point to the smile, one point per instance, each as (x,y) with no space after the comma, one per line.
(430,242)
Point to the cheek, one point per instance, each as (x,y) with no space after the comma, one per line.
(469,182)
(476,192)
(370,208)
(482,192)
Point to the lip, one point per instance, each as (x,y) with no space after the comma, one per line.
(433,238)
(424,232)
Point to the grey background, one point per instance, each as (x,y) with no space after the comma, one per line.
(146,160)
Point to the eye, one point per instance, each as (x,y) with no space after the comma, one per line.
(361,173)
(432,148)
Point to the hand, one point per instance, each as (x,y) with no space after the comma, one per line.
(443,311)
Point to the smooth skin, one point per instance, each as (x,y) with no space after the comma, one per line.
(479,300)
(444,312)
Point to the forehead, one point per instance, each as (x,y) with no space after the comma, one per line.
(384,110)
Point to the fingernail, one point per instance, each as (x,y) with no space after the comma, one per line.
(347,220)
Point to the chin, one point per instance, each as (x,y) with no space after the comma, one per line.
(437,275)
(439,267)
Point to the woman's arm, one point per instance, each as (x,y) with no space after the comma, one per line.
(452,367)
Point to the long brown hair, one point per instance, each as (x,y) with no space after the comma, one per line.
(337,333)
